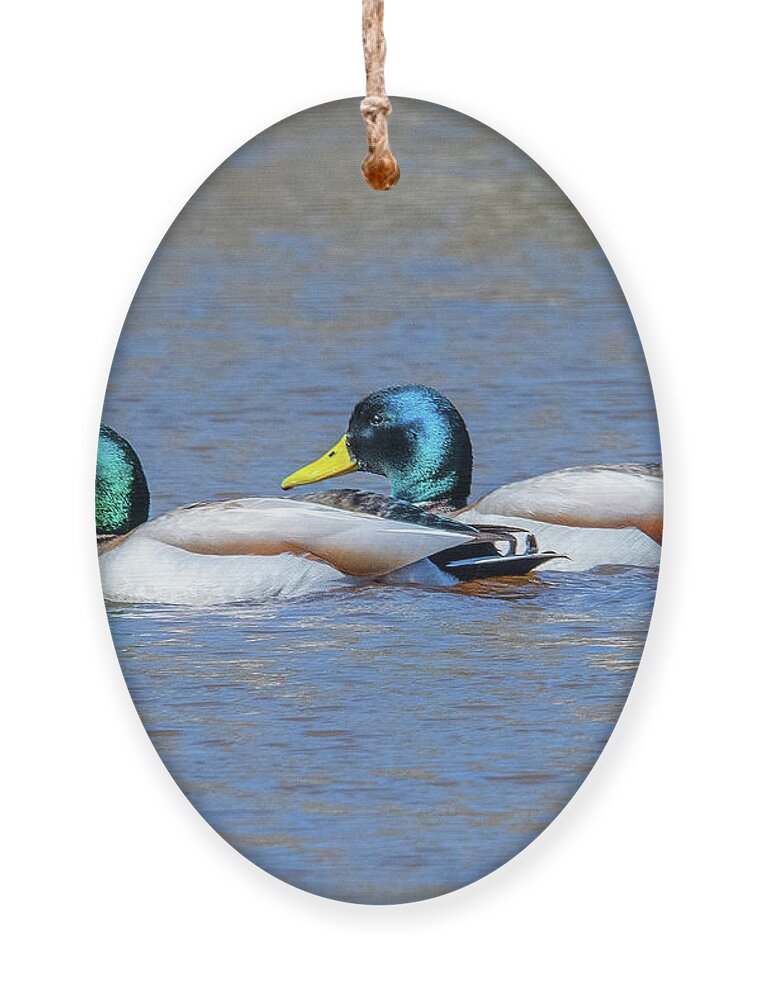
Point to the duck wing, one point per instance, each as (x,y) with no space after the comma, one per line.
(354,542)
(488,551)
(593,496)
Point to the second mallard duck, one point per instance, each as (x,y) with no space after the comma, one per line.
(413,435)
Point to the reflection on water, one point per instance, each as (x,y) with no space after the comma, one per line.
(381,743)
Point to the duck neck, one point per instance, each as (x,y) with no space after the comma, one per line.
(441,481)
(446,494)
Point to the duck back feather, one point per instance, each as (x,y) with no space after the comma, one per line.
(594,496)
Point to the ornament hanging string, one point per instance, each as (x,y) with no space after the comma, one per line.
(379,167)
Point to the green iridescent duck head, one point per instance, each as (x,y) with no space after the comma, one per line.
(122,499)
(411,434)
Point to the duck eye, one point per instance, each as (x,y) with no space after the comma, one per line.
(376,419)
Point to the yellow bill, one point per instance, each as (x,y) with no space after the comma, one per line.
(336,462)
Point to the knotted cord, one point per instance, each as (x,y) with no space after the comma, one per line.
(379,167)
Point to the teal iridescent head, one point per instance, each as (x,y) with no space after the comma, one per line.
(122,500)
(412,435)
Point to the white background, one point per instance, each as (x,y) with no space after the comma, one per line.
(644,113)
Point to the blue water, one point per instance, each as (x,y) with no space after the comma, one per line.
(381,744)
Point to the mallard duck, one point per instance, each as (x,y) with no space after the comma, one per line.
(260,547)
(416,438)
